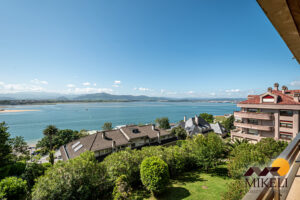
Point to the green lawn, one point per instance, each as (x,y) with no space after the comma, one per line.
(220,118)
(197,185)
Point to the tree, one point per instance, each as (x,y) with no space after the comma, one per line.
(242,157)
(163,122)
(5,147)
(51,157)
(79,178)
(32,172)
(50,131)
(229,123)
(13,188)
(207,150)
(122,189)
(107,126)
(19,145)
(179,132)
(62,137)
(154,174)
(207,117)
(271,147)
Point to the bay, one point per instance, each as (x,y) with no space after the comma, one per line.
(91,116)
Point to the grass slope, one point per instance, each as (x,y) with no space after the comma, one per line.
(197,185)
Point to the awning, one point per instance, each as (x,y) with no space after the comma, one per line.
(285,17)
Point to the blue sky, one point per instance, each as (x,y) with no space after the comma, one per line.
(176,48)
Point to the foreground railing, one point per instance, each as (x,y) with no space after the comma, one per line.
(280,191)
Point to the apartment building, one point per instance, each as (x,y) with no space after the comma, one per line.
(273,114)
(103,143)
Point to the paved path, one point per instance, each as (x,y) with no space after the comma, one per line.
(294,193)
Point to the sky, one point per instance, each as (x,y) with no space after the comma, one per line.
(171,48)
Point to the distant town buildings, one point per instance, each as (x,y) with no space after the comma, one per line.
(273,114)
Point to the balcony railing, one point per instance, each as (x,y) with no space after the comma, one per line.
(241,134)
(291,154)
(253,126)
(253,115)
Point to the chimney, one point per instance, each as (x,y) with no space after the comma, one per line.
(269,89)
(276,86)
(184,118)
(196,119)
(113,144)
(158,137)
(296,97)
(284,88)
(103,135)
(153,127)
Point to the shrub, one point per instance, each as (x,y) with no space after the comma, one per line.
(154,174)
(124,163)
(242,157)
(13,169)
(179,132)
(122,189)
(13,188)
(235,190)
(79,178)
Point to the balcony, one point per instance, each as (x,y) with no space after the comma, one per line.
(253,126)
(253,115)
(240,134)
(283,191)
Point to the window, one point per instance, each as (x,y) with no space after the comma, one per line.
(286,113)
(253,121)
(268,99)
(286,135)
(286,124)
(253,132)
(252,110)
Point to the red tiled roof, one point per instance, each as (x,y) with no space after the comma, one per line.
(283,99)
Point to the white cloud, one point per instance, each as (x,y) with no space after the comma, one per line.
(162,91)
(190,92)
(89,90)
(295,83)
(70,85)
(233,91)
(38,82)
(86,84)
(213,94)
(13,88)
(116,84)
(95,84)
(142,89)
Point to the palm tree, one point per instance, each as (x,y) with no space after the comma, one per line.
(50,131)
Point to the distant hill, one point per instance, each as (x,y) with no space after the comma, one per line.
(108,97)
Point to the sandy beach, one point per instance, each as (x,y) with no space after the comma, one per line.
(12,111)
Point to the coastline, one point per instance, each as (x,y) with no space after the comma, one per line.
(14,111)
